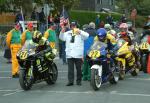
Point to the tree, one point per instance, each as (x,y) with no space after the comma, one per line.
(142,6)
(27,4)
(4,5)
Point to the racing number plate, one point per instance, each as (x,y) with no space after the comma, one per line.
(23,54)
(94,54)
(144,46)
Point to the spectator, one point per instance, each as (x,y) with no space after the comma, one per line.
(97,21)
(102,24)
(35,15)
(109,20)
(50,34)
(27,34)
(13,41)
(85,26)
(50,19)
(42,21)
(123,19)
(74,51)
(63,44)
(87,44)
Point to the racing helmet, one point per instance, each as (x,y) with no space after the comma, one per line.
(107,26)
(101,33)
(123,26)
(37,35)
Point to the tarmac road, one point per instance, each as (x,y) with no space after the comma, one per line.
(130,90)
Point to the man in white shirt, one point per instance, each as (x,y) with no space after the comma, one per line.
(74,39)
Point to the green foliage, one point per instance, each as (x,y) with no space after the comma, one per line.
(58,4)
(4,5)
(142,6)
(84,17)
(139,22)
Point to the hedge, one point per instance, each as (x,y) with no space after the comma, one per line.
(84,17)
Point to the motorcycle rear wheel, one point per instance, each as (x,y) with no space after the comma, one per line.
(144,63)
(53,74)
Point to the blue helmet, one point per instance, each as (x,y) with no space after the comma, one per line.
(101,33)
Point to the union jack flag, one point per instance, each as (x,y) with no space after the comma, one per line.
(64,18)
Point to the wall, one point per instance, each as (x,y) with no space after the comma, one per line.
(7,18)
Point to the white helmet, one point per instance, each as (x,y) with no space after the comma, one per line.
(107,26)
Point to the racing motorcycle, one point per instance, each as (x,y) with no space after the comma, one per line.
(145,48)
(35,67)
(126,59)
(102,66)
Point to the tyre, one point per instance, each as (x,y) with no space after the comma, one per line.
(114,77)
(144,63)
(95,79)
(53,74)
(113,80)
(121,71)
(25,80)
(134,73)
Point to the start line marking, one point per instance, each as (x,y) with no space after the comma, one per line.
(75,92)
(10,71)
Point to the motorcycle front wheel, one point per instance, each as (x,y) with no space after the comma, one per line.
(52,75)
(95,79)
(25,80)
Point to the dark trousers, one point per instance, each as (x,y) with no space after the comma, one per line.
(78,63)
(63,52)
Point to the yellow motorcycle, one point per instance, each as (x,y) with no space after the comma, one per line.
(126,59)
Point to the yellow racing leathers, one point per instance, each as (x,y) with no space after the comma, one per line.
(110,40)
(13,41)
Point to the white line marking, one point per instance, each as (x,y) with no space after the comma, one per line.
(73,92)
(5,71)
(10,71)
(16,78)
(8,94)
(63,71)
(128,94)
(76,92)
(139,78)
(7,90)
(66,92)
(5,77)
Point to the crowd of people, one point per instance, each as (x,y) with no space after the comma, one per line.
(74,42)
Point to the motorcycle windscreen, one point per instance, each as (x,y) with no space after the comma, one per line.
(96,50)
(29,44)
(27,49)
(120,43)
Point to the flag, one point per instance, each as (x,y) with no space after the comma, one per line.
(64,18)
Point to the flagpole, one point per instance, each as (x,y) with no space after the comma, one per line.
(68,17)
(23,25)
